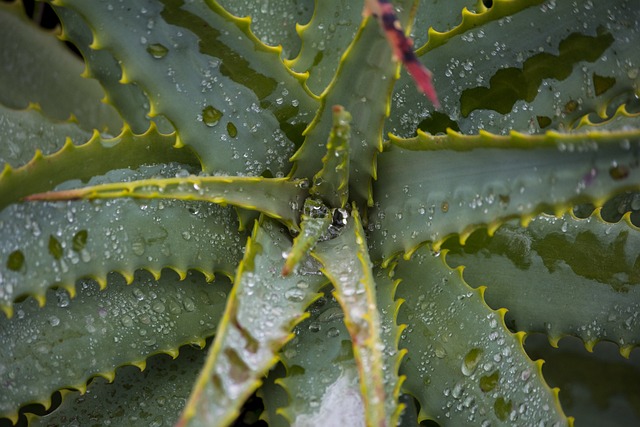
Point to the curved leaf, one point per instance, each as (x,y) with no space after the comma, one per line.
(276,197)
(154,396)
(261,311)
(599,388)
(322,378)
(228,95)
(362,85)
(98,155)
(36,68)
(24,132)
(274,23)
(128,99)
(61,242)
(462,181)
(507,74)
(331,183)
(561,276)
(324,41)
(463,365)
(64,344)
(346,263)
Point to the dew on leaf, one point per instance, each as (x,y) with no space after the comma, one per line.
(315,327)
(618,172)
(502,408)
(55,248)
(79,240)
(157,50)
(211,115)
(601,84)
(489,382)
(471,360)
(440,351)
(294,294)
(15,261)
(189,304)
(138,246)
(333,332)
(232,130)
(158,306)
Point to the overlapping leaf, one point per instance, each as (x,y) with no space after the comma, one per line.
(561,276)
(154,396)
(463,365)
(486,179)
(68,341)
(37,68)
(261,311)
(507,74)
(229,95)
(66,241)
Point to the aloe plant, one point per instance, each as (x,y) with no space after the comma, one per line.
(261,192)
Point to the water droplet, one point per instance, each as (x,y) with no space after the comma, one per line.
(138,294)
(232,130)
(189,304)
(440,351)
(294,294)
(489,382)
(332,313)
(333,332)
(211,116)
(315,327)
(55,248)
(471,360)
(138,246)
(157,50)
(158,306)
(15,261)
(79,240)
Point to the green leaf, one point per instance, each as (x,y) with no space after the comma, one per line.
(463,365)
(37,68)
(561,276)
(460,182)
(390,333)
(98,155)
(228,95)
(118,235)
(487,57)
(23,132)
(598,388)
(67,342)
(322,378)
(274,23)
(154,396)
(273,395)
(331,183)
(261,311)
(276,197)
(316,220)
(128,99)
(362,85)
(435,16)
(346,263)
(324,41)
